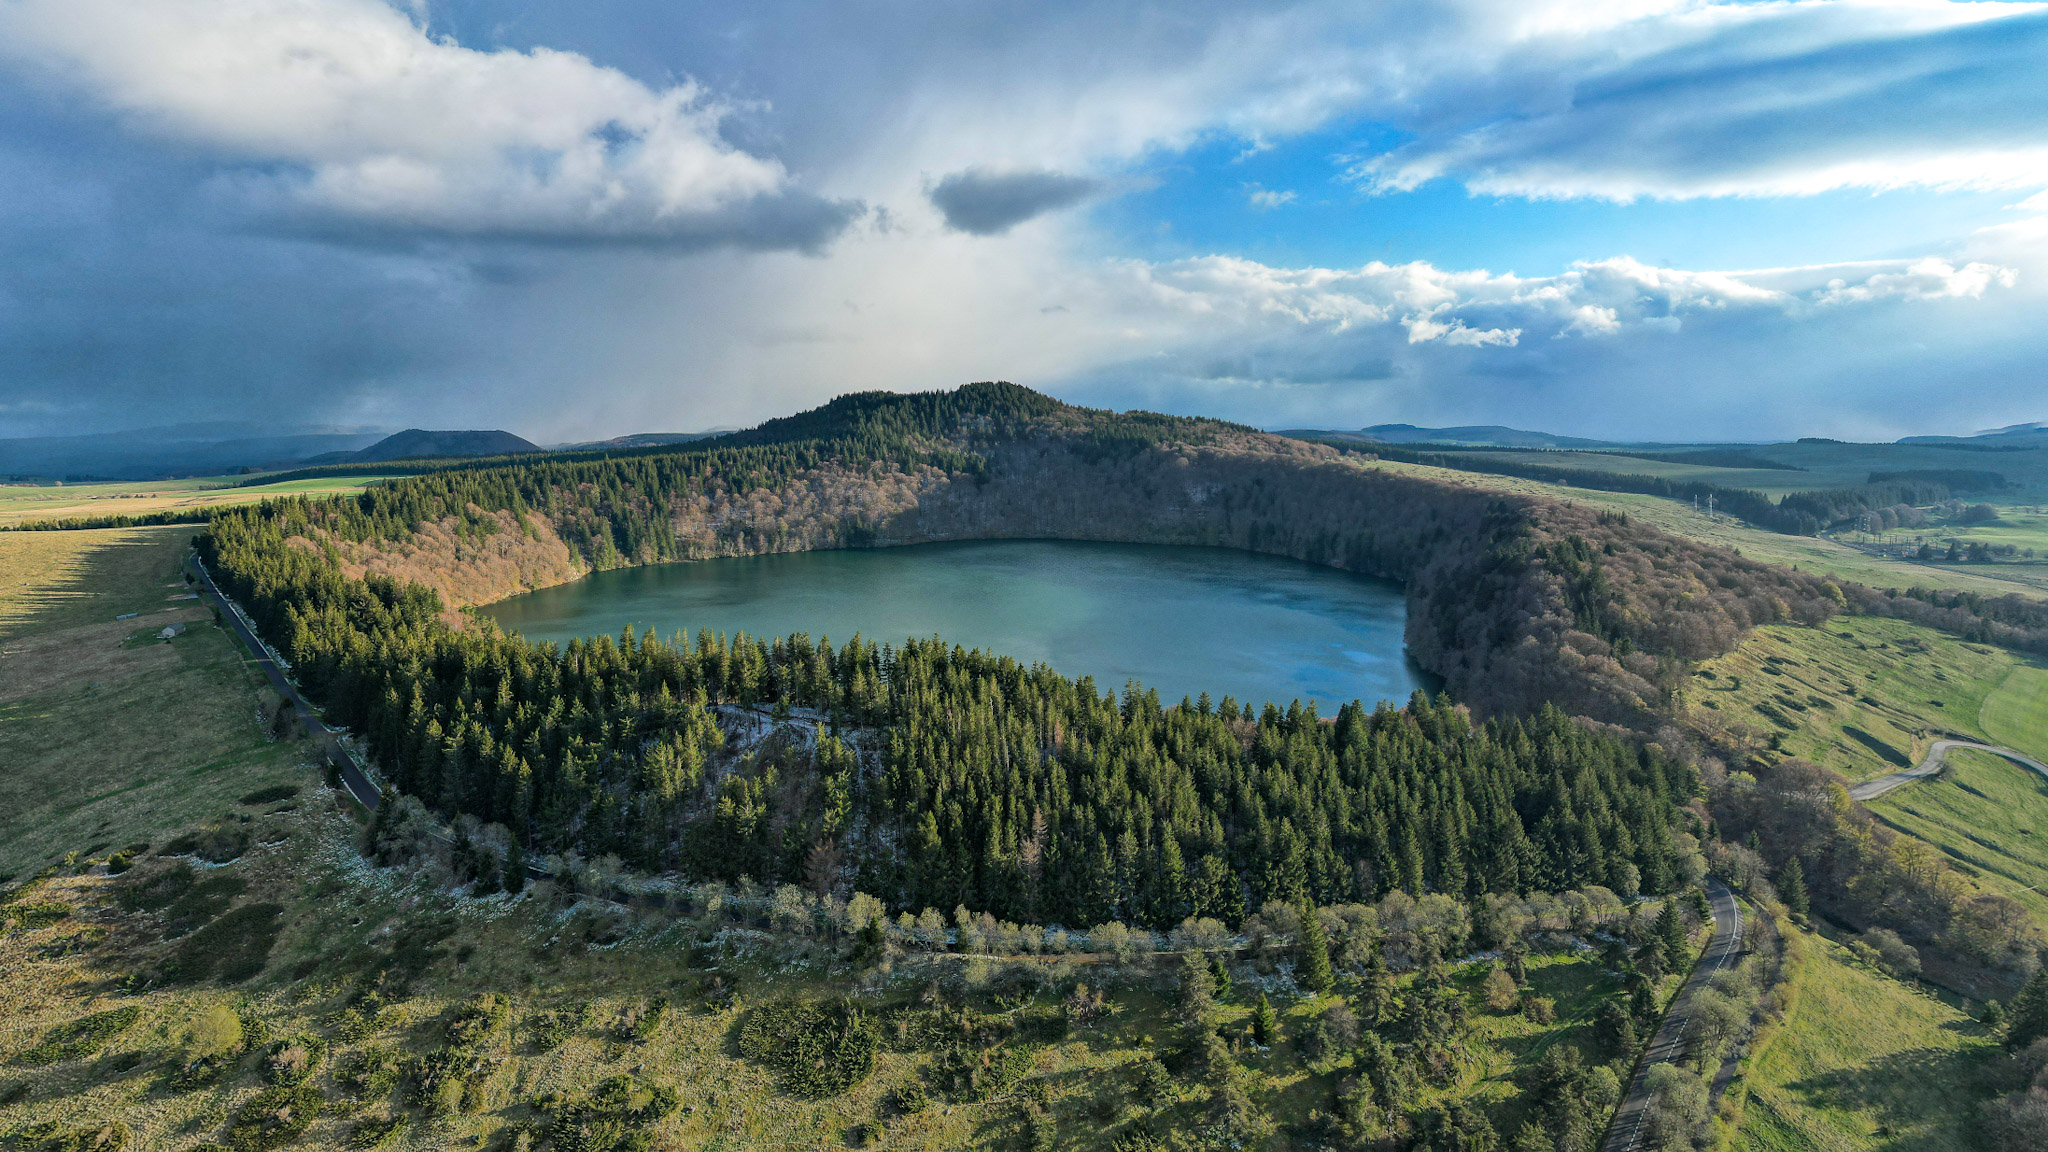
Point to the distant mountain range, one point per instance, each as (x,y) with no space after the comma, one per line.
(178,450)
(640,440)
(1469,436)
(2037,429)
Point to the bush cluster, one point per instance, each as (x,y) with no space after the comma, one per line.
(818,1048)
(81,1037)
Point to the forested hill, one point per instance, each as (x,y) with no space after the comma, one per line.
(956,779)
(1513,601)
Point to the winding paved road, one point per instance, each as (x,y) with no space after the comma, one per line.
(1625,1133)
(352,775)
(1937,759)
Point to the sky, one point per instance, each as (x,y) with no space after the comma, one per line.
(1659,219)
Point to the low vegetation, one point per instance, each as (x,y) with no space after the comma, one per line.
(1988,815)
(1862,696)
(1862,1061)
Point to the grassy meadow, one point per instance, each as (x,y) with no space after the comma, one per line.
(109,734)
(20,503)
(1988,815)
(1861,1062)
(1806,553)
(1861,695)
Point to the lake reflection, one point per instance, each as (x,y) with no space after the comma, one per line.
(1181,620)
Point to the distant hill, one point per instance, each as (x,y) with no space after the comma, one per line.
(210,449)
(641,440)
(1474,435)
(418,443)
(2032,433)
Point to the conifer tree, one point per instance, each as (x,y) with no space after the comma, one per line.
(1792,888)
(1315,953)
(1376,991)
(1670,933)
(515,867)
(1196,1005)
(1220,969)
(2026,1019)
(1265,1025)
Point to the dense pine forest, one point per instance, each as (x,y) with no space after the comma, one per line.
(940,777)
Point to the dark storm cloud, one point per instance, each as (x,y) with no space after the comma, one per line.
(986,203)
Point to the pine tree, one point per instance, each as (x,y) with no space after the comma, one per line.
(1376,991)
(515,867)
(2026,1020)
(1792,888)
(1265,1025)
(1315,953)
(1196,1006)
(1220,969)
(1670,932)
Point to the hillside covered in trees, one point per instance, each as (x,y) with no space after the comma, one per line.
(940,777)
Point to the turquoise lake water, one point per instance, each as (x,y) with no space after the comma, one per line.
(1181,620)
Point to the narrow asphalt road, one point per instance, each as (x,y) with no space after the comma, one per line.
(1937,758)
(1625,1133)
(352,775)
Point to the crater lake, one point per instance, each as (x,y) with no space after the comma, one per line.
(1180,620)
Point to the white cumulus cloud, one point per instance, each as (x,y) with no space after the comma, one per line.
(347,109)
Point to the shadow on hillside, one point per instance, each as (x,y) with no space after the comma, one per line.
(1905,1091)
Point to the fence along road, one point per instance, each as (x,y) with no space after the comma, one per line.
(332,750)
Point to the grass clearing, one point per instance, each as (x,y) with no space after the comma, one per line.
(1862,696)
(1806,553)
(1862,1061)
(20,503)
(2016,713)
(109,735)
(1988,815)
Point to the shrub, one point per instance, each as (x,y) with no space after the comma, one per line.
(912,1099)
(82,1037)
(478,1019)
(1540,1009)
(111,1136)
(1499,989)
(818,1049)
(215,843)
(371,1072)
(275,1117)
(970,1076)
(155,889)
(641,1024)
(604,1119)
(213,1041)
(376,1131)
(547,1031)
(124,858)
(233,948)
(270,795)
(33,914)
(293,1059)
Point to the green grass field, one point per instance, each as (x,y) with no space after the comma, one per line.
(25,502)
(1860,695)
(1861,1062)
(1988,815)
(2016,713)
(109,735)
(1806,553)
